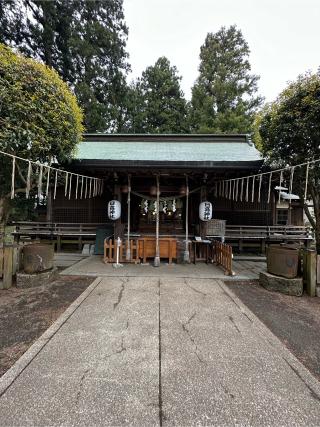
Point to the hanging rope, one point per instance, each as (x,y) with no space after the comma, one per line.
(28,186)
(306,184)
(70,184)
(81,192)
(55,185)
(13,177)
(247,190)
(259,191)
(66,185)
(48,182)
(280,184)
(77,183)
(40,182)
(241,192)
(252,195)
(40,167)
(162,199)
(269,189)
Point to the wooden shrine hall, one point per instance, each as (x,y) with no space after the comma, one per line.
(159,183)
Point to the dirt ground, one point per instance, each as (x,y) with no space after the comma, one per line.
(26,313)
(294,320)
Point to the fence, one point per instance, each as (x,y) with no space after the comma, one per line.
(222,255)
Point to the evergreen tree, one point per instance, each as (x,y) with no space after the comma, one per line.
(224,96)
(84,41)
(156,102)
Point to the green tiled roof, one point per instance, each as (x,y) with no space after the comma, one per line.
(170,150)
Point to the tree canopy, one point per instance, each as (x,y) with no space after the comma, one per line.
(84,41)
(39,116)
(288,132)
(224,95)
(156,102)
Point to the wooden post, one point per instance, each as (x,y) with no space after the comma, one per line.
(311,273)
(128,251)
(7,267)
(157,256)
(186,254)
(117,223)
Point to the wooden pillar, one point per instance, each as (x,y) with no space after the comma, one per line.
(128,251)
(117,223)
(310,272)
(202,225)
(186,254)
(157,256)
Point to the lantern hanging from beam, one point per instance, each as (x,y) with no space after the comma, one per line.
(114,210)
(205,211)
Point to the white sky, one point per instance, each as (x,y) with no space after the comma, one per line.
(283,36)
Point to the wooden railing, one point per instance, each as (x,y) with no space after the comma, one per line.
(222,255)
(57,228)
(272,232)
(58,233)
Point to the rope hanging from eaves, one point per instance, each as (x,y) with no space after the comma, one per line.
(243,188)
(42,178)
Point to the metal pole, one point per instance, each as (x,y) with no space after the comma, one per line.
(128,252)
(186,254)
(157,257)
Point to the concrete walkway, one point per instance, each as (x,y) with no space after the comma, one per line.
(158,351)
(94,266)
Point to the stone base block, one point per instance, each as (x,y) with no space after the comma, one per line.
(25,280)
(281,284)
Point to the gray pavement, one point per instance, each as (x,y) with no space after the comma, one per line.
(159,351)
(94,266)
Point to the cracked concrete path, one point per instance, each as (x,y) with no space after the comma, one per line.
(153,351)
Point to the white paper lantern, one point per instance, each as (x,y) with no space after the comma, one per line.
(114,210)
(205,211)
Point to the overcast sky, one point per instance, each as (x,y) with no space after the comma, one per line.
(283,36)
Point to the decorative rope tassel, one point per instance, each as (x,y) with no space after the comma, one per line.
(77,186)
(215,189)
(48,182)
(86,190)
(13,177)
(269,189)
(28,187)
(306,183)
(247,190)
(70,182)
(102,187)
(81,191)
(40,182)
(259,191)
(55,185)
(66,185)
(237,190)
(230,189)
(90,184)
(291,180)
(234,190)
(281,179)
(241,191)
(253,182)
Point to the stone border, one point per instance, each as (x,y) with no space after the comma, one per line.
(24,361)
(310,381)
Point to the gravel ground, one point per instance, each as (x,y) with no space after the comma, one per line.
(294,320)
(26,313)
